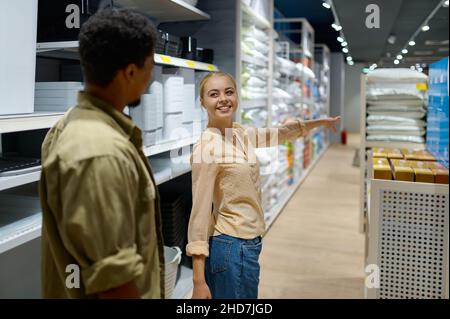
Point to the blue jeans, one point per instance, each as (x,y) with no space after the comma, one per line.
(232,268)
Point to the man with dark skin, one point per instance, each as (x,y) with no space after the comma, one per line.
(99,198)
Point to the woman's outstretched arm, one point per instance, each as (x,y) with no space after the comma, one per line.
(289,131)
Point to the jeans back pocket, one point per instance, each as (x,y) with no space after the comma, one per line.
(219,256)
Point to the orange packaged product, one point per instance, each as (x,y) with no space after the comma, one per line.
(402,171)
(381,169)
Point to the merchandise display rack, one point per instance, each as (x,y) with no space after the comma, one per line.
(408,239)
(364,147)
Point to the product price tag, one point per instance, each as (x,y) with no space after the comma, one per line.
(421,86)
(211,67)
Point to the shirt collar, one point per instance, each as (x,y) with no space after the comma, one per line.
(129,128)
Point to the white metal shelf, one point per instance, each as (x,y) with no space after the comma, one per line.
(292,189)
(26,122)
(70,49)
(22,179)
(17,180)
(21,235)
(170,145)
(166,10)
(259,21)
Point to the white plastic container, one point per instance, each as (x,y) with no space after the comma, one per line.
(157,89)
(189,103)
(172,257)
(172,124)
(148,103)
(149,138)
(173,93)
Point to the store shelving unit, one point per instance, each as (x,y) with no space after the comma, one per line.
(29,229)
(292,189)
(246,15)
(364,146)
(166,10)
(27,122)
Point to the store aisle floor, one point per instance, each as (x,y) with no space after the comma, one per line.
(314,248)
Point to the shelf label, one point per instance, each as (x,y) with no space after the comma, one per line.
(421,86)
(191,64)
(166,59)
(211,67)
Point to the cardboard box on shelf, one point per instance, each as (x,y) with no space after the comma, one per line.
(402,170)
(423,175)
(418,155)
(381,169)
(394,153)
(440,175)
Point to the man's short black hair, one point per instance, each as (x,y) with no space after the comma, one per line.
(112,39)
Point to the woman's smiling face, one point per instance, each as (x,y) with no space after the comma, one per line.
(220,98)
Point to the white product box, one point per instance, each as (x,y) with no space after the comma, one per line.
(173,93)
(188,128)
(172,124)
(159,135)
(148,103)
(149,138)
(156,88)
(18,26)
(189,102)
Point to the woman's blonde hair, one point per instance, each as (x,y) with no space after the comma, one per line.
(210,75)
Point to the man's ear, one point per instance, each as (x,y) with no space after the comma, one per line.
(130,71)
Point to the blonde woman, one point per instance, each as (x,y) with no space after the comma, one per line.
(227,220)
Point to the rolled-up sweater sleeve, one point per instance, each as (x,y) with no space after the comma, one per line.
(203,180)
(269,137)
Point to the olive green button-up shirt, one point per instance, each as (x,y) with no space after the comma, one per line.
(100,206)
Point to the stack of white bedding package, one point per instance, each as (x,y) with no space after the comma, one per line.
(55,96)
(255,73)
(396,106)
(268,161)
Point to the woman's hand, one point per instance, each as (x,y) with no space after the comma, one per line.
(331,123)
(201,291)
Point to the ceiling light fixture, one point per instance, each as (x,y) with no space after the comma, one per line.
(344,44)
(336,27)
(396,61)
(425,28)
(340,39)
(412,67)
(404,51)
(345,50)
(412,43)
(399,57)
(446,3)
(326,5)
(349,58)
(350,62)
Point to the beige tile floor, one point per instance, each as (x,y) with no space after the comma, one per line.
(314,248)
